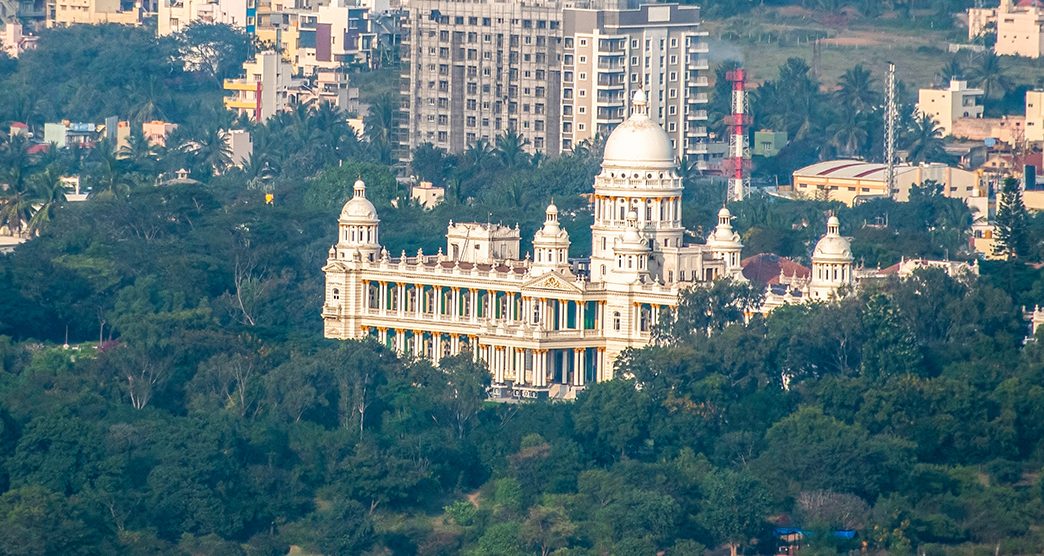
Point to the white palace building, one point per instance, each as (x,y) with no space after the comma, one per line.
(548,325)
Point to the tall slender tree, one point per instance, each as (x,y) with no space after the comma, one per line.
(1012,220)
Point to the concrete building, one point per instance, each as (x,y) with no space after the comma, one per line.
(324,35)
(427,194)
(474,70)
(265,88)
(12,40)
(1006,129)
(558,72)
(156,132)
(175,15)
(1034,117)
(546,325)
(66,134)
(608,53)
(1019,27)
(945,106)
(768,142)
(850,181)
(240,145)
(92,12)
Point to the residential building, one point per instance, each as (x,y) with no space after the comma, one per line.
(67,134)
(947,105)
(333,36)
(156,132)
(93,12)
(851,181)
(265,88)
(12,41)
(175,15)
(546,325)
(240,146)
(559,72)
(1019,27)
(609,51)
(474,70)
(329,35)
(768,142)
(427,194)
(1034,133)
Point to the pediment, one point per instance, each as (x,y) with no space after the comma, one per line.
(553,281)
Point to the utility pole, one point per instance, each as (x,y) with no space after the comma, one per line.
(891,115)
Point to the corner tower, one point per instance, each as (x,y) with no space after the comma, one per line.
(639,174)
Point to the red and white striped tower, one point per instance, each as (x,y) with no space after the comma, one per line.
(739,153)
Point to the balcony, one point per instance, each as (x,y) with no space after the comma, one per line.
(698,63)
(698,81)
(696,131)
(239,104)
(239,85)
(698,98)
(698,115)
(699,48)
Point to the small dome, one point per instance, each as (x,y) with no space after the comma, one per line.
(724,213)
(359,208)
(832,247)
(639,142)
(552,209)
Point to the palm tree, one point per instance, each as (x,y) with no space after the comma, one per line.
(211,150)
(477,155)
(989,74)
(380,124)
(107,175)
(848,133)
(511,149)
(924,140)
(48,193)
(952,70)
(856,90)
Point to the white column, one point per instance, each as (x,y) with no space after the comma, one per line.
(581,371)
(401,292)
(436,347)
(474,305)
(383,301)
(576,366)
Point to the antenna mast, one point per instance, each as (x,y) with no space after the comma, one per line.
(739,154)
(891,114)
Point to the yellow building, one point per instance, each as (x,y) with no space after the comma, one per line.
(94,12)
(849,181)
(948,105)
(1019,27)
(1034,117)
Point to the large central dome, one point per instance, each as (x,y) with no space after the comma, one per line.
(639,142)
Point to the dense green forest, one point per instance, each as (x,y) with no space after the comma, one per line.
(197,409)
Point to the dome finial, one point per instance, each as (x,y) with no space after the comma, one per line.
(640,103)
(360,188)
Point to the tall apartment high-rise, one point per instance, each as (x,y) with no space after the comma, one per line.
(556,71)
(475,69)
(608,53)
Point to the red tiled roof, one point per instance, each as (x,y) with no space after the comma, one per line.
(19,125)
(766,268)
(37,149)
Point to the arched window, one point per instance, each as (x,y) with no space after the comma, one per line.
(616,321)
(336,294)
